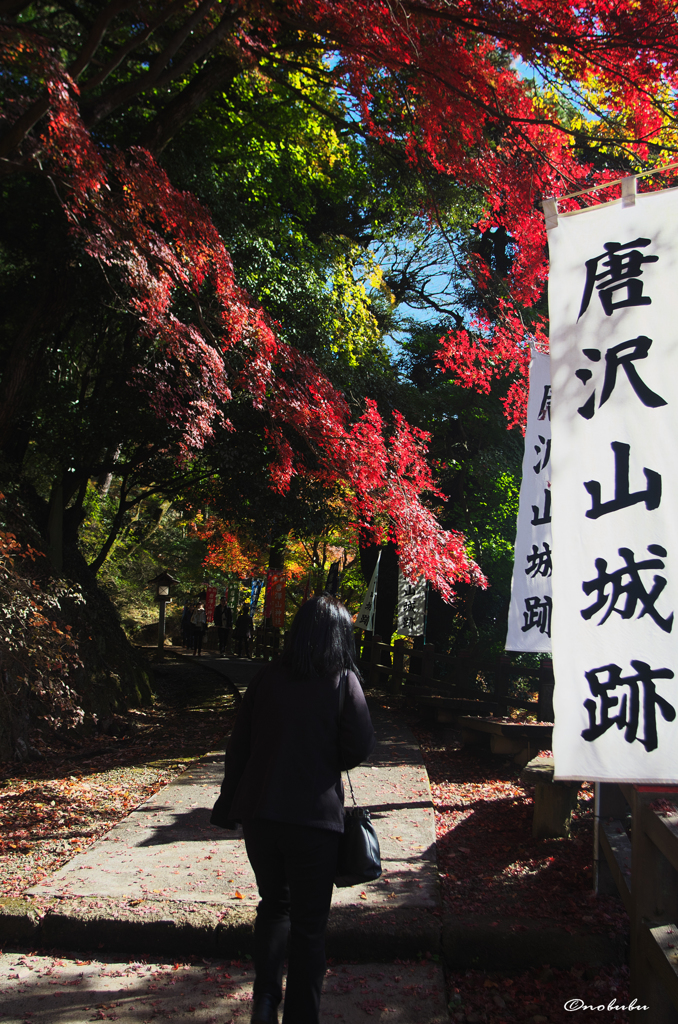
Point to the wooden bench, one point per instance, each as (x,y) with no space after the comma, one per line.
(448,709)
(522,740)
(554,802)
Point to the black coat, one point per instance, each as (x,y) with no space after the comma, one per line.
(223,617)
(288,748)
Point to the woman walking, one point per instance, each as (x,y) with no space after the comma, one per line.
(244,631)
(289,745)
(186,627)
(198,627)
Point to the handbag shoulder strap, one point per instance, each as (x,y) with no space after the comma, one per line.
(343,683)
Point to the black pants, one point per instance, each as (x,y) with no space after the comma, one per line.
(295,867)
(197,639)
(241,641)
(224,637)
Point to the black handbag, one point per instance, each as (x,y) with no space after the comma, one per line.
(359,855)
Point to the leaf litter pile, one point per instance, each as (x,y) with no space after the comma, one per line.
(54,808)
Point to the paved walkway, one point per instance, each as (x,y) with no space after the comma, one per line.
(59,990)
(165,875)
(238,672)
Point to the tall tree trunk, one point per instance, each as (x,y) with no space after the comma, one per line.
(116,526)
(55,524)
(276,554)
(20,369)
(276,561)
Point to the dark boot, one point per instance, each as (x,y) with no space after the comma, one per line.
(264,1010)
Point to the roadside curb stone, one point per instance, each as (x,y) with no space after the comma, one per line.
(383,934)
(373,934)
(369,934)
(19,922)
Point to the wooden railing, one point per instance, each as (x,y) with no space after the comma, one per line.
(426,672)
(644,871)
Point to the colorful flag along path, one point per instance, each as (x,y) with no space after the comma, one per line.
(274,602)
(614,362)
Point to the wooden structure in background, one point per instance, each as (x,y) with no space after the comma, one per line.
(643,869)
(454,685)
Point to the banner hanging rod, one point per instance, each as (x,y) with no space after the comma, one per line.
(616,181)
(628,183)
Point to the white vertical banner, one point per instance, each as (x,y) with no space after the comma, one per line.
(529,623)
(365,617)
(411,606)
(613,298)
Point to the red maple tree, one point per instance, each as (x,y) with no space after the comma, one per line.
(433,77)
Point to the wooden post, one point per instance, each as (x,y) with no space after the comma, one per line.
(361,647)
(609,802)
(373,675)
(501,683)
(161,630)
(428,664)
(654,888)
(398,665)
(545,698)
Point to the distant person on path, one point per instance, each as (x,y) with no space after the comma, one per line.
(244,631)
(284,759)
(199,627)
(186,628)
(223,620)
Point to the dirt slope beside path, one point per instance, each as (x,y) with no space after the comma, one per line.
(53,809)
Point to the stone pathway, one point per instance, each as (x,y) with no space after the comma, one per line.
(60,990)
(164,881)
(166,872)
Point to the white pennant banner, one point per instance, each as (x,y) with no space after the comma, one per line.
(613,300)
(529,624)
(365,617)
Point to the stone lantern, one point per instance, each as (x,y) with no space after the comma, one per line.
(163,583)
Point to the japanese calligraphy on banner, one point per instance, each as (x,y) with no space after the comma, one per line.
(210,602)
(254,594)
(530,611)
(274,602)
(233,594)
(411,606)
(365,617)
(614,365)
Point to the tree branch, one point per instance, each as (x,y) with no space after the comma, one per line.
(95,37)
(175,114)
(122,93)
(127,48)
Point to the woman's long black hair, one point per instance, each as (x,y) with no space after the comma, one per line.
(320,641)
